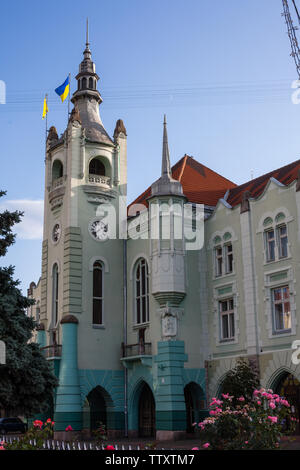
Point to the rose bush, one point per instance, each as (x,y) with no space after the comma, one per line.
(256,424)
(34,438)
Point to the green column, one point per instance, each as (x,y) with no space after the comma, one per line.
(169,395)
(68,401)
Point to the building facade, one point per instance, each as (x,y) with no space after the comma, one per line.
(141,329)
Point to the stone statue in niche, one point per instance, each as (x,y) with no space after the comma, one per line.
(169,323)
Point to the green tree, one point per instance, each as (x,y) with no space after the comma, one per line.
(242,380)
(26,380)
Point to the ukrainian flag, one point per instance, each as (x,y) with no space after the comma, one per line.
(63,90)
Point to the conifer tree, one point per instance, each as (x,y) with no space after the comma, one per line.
(26,380)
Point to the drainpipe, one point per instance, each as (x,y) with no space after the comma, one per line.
(125,331)
(254,286)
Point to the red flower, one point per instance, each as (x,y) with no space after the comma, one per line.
(109,448)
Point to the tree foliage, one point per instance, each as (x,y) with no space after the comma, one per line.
(26,380)
(242,380)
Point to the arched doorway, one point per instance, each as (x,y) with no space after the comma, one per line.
(98,412)
(289,387)
(194,404)
(146,412)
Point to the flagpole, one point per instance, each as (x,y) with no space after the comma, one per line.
(69,100)
(46,120)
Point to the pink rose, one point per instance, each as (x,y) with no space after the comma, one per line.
(195,448)
(241,399)
(206,445)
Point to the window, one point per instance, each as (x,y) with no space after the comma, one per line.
(282,241)
(97,293)
(270,245)
(226,319)
(218,260)
(96,167)
(275,238)
(83,83)
(281,309)
(91,84)
(57,170)
(223,255)
(55,278)
(142,291)
(228,258)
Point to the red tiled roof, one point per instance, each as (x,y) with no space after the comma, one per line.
(200,184)
(204,186)
(286,175)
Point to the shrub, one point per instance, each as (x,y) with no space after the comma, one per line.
(256,424)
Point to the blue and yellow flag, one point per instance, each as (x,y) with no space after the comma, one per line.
(63,90)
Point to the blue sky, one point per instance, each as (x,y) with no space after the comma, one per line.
(220,70)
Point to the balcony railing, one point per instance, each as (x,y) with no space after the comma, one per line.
(54,350)
(56,183)
(99,179)
(130,350)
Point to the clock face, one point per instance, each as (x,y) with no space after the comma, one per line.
(56,233)
(99,230)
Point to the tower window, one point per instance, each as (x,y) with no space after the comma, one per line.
(142,291)
(97,293)
(84,83)
(96,167)
(91,83)
(57,170)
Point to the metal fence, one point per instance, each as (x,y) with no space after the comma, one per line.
(51,444)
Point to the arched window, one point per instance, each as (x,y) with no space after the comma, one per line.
(141,282)
(83,83)
(55,280)
(96,167)
(97,293)
(57,170)
(91,84)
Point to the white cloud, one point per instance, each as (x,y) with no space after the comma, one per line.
(31,226)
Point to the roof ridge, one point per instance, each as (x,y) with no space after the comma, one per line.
(183,167)
(265,174)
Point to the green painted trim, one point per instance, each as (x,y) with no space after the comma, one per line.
(278,276)
(225,290)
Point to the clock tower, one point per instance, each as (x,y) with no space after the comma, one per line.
(81,283)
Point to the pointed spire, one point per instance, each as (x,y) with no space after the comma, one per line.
(87,33)
(165,165)
(87,52)
(166,185)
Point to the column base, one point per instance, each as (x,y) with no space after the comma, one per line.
(170,435)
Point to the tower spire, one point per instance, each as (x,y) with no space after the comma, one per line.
(166,185)
(87,33)
(165,166)
(87,98)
